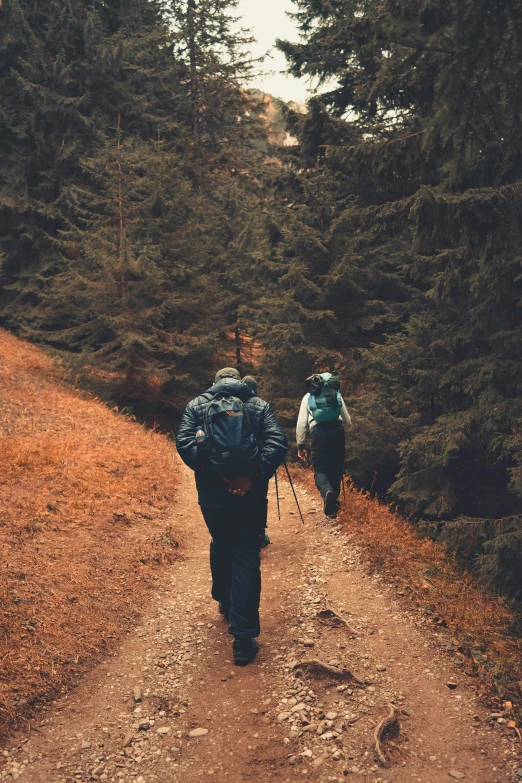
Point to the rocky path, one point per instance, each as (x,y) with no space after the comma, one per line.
(169,707)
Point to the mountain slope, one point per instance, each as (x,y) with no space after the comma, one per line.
(85,497)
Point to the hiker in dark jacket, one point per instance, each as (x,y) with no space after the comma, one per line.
(230,506)
(264,538)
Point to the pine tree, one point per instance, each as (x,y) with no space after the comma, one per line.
(432,211)
(345,247)
(225,161)
(145,187)
(69,69)
(111,296)
(132,297)
(216,61)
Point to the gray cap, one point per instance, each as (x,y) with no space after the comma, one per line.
(227,372)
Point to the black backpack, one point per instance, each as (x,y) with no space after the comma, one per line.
(231,441)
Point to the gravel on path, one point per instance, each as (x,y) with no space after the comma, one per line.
(169,706)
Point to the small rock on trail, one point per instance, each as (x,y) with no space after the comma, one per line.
(198,732)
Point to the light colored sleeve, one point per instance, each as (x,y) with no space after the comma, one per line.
(302,422)
(345,417)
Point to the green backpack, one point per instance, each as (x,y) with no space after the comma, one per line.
(325,401)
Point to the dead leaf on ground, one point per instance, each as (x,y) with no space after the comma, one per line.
(511,724)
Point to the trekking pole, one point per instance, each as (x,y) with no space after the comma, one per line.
(293,490)
(277,496)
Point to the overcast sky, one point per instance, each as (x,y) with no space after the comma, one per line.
(268,20)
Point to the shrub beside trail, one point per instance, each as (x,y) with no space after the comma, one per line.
(86,499)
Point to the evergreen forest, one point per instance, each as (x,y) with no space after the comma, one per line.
(152,223)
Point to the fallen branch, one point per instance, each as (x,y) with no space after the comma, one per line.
(318,668)
(388,728)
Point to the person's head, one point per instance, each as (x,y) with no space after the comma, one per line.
(227,372)
(251,382)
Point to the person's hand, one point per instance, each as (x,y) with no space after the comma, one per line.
(302,453)
(239,485)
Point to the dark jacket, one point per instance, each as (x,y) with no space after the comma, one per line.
(212,490)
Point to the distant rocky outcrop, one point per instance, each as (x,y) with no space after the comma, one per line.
(272,112)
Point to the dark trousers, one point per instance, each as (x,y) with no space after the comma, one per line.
(328,456)
(235,564)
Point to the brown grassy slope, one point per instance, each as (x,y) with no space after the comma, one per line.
(85,497)
(480,626)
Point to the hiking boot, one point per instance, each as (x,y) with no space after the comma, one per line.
(244,651)
(330,504)
(224,609)
(264,540)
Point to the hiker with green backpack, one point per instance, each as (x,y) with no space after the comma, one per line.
(324,413)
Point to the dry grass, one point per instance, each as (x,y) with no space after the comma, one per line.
(481,637)
(85,497)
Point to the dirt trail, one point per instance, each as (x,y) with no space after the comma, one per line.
(130,719)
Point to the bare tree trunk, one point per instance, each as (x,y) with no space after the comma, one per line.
(237,333)
(121,217)
(191,16)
